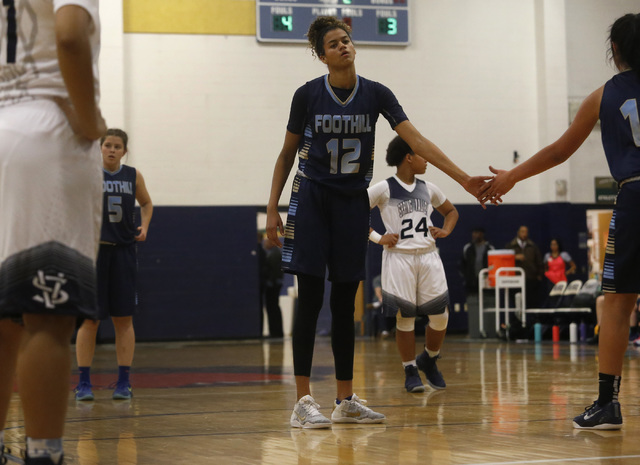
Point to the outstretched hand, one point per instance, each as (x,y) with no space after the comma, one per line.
(493,190)
(476,185)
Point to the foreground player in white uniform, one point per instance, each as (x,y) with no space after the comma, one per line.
(50,205)
(413,279)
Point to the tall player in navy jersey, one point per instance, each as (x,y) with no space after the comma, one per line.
(616,104)
(117,264)
(332,129)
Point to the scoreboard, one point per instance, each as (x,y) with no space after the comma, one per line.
(381,22)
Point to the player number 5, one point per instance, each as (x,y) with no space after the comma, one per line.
(115,209)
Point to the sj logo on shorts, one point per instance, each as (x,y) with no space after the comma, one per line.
(51,287)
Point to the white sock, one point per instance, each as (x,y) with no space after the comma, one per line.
(432,353)
(412,362)
(45,448)
(1,440)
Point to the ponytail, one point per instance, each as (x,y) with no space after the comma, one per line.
(625,34)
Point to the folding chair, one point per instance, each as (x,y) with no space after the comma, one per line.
(569,293)
(586,297)
(555,295)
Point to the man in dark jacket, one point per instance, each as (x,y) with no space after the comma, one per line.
(474,259)
(529,258)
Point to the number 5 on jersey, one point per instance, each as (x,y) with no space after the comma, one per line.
(114,203)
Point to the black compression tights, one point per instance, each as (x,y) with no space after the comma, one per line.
(310,297)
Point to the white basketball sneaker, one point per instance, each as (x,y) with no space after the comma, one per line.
(355,411)
(306,414)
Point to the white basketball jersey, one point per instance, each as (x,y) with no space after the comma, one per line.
(28,57)
(406,210)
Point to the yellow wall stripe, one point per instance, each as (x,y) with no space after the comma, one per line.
(234,17)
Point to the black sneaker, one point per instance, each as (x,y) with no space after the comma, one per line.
(42,460)
(428,365)
(595,416)
(412,381)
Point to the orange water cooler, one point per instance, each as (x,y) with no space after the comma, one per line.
(500,258)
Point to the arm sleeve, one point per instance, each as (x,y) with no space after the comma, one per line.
(390,107)
(566,257)
(378,194)
(298,112)
(437,196)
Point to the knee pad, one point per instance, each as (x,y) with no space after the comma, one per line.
(439,322)
(405,324)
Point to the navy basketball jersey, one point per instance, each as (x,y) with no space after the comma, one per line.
(620,124)
(118,212)
(337,147)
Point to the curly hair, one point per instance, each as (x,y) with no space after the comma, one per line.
(396,151)
(319,29)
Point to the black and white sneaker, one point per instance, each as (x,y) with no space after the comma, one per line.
(595,416)
(428,365)
(412,381)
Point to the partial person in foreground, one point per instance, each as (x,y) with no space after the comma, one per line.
(117,264)
(332,129)
(50,205)
(413,279)
(616,105)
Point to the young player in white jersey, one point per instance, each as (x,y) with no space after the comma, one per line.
(50,205)
(413,278)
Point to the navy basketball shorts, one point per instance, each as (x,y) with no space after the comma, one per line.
(117,271)
(50,210)
(326,229)
(621,274)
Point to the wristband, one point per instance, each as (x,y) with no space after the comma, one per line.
(375,237)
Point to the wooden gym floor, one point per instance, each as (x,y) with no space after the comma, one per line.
(230,402)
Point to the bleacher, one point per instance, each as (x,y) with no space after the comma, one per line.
(566,301)
(574,297)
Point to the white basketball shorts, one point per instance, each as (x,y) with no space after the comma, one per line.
(414,284)
(51,210)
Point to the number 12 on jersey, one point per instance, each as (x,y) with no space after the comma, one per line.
(348,163)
